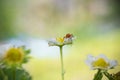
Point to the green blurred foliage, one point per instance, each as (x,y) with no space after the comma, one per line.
(7,16)
(20,74)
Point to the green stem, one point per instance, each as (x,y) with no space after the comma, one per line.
(98,76)
(14,73)
(62,66)
(4,76)
(108,76)
(1,71)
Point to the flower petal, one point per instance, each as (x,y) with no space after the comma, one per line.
(52,42)
(113,63)
(90,60)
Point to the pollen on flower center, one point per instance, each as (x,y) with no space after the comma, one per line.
(14,55)
(61,40)
(100,63)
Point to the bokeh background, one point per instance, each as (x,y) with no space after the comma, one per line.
(94,23)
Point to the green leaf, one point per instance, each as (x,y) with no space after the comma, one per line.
(16,73)
(109,76)
(116,76)
(27,51)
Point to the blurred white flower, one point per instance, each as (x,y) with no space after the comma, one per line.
(8,45)
(100,62)
(14,55)
(61,41)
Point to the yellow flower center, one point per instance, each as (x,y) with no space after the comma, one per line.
(101,63)
(14,55)
(60,40)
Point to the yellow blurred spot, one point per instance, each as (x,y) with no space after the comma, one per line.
(14,55)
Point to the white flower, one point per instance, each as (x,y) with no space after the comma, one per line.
(60,41)
(100,62)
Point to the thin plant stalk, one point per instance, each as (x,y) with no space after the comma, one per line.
(62,65)
(98,76)
(14,73)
